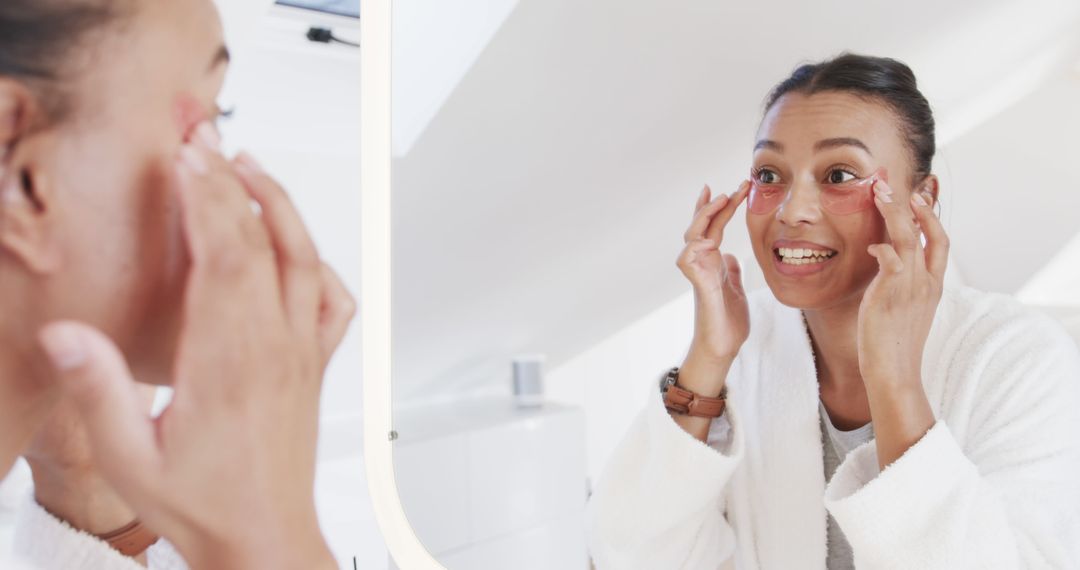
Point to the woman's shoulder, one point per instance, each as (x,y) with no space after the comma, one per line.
(996,330)
(983,316)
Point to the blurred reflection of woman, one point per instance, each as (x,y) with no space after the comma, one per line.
(857,413)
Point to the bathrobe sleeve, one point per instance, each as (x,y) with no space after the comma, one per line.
(660,500)
(1006,497)
(12,563)
(44,541)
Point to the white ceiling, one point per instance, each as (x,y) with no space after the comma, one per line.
(541,208)
(435,42)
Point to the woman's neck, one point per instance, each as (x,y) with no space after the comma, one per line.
(27,393)
(833,336)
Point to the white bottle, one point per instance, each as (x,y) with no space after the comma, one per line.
(529,380)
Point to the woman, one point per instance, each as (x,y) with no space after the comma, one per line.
(126,238)
(871,417)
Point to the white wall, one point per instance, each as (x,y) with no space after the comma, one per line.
(612,379)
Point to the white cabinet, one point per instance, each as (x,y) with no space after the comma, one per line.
(487,485)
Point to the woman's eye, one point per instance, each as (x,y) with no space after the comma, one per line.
(840,176)
(768,177)
(221,114)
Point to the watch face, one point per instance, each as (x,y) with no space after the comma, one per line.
(667,381)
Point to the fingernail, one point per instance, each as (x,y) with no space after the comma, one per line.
(918,199)
(65,346)
(208,135)
(193,159)
(882,187)
(248,161)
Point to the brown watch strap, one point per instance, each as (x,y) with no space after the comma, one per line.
(679,400)
(682,401)
(130,540)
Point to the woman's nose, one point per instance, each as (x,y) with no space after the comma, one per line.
(801,205)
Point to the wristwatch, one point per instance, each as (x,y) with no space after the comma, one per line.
(130,540)
(679,400)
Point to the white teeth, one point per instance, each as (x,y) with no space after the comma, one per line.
(801,256)
(799,253)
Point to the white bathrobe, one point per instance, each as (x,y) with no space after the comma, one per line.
(995,483)
(46,542)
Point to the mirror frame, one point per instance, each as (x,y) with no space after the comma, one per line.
(375,326)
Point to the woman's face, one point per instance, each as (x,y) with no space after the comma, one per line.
(119,260)
(804,142)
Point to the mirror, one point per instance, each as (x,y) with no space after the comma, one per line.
(546,160)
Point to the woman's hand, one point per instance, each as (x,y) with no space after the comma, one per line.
(895,317)
(227,471)
(721,315)
(67,483)
(722,320)
(898,307)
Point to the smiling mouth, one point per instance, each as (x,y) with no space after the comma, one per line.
(797,256)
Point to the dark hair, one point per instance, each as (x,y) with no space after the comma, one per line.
(40,39)
(877,78)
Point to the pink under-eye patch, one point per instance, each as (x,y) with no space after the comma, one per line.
(841,198)
(764,198)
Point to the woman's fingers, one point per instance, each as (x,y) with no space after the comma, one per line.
(223,182)
(298,260)
(706,215)
(95,377)
(937,241)
(898,221)
(701,219)
(888,260)
(216,214)
(734,274)
(337,311)
(703,198)
(694,248)
(225,238)
(720,220)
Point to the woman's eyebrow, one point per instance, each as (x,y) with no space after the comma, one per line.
(841,141)
(818,146)
(220,57)
(766,143)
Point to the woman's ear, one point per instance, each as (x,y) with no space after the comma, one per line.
(27,226)
(929,189)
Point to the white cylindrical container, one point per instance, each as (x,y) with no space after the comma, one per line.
(529,380)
